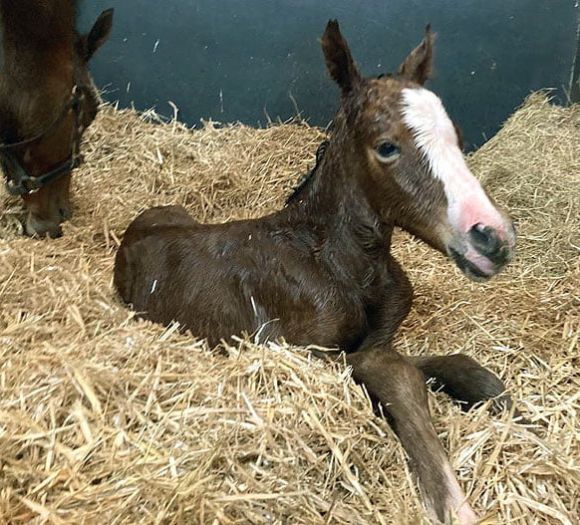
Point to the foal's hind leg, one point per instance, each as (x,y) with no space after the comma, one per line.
(464,379)
(399,386)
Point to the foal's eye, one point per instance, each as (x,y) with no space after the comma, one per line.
(386,151)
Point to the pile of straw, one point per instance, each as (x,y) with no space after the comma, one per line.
(104,418)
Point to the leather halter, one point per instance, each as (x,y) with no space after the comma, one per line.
(18,180)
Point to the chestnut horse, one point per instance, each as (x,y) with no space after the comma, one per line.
(47,100)
(319,271)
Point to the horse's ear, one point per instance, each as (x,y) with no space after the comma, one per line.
(418,65)
(99,33)
(339,61)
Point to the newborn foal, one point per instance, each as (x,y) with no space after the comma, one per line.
(320,270)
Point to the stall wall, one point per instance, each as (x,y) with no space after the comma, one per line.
(254,60)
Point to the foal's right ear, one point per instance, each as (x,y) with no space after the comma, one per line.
(339,61)
(419,64)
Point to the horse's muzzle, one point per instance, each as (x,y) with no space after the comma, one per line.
(484,251)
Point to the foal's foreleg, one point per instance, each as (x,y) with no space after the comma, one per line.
(400,387)
(463,378)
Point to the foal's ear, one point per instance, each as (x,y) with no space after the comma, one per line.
(417,66)
(339,61)
(99,33)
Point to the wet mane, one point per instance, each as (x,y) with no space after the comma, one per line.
(305,179)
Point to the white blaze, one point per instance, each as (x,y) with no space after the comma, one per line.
(435,136)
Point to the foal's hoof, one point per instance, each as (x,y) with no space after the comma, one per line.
(484,386)
(500,402)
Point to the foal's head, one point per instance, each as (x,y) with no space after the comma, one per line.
(47,100)
(407,152)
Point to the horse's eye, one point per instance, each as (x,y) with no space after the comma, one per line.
(387,151)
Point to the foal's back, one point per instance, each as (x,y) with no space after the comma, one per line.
(263,277)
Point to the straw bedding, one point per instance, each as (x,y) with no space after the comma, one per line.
(107,419)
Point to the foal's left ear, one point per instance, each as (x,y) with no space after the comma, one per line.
(339,61)
(99,33)
(418,65)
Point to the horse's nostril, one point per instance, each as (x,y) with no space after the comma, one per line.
(485,240)
(65,213)
(54,233)
(42,229)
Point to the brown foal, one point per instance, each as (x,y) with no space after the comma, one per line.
(47,100)
(320,271)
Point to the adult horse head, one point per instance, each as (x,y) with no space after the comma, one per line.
(47,100)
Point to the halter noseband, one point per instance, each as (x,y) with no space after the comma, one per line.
(18,180)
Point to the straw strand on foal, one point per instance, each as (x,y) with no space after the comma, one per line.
(47,100)
(320,271)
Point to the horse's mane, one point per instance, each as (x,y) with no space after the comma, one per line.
(304,179)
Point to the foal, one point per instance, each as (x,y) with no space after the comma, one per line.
(319,271)
(47,100)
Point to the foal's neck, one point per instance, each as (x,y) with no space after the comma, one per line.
(333,198)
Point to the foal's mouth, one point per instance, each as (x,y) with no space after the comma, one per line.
(483,252)
(472,270)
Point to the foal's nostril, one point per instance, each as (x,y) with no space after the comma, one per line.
(485,240)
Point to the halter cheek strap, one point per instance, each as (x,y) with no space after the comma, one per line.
(21,183)
(18,180)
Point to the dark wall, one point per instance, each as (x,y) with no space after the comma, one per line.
(245,60)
